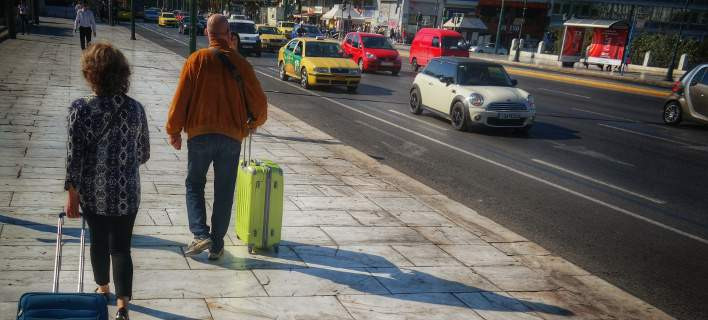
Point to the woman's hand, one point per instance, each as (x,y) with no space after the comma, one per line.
(72,204)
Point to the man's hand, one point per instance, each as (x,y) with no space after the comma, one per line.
(72,204)
(176,141)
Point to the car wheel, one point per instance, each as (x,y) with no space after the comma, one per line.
(458,117)
(395,72)
(352,89)
(415,102)
(304,82)
(281,72)
(672,113)
(415,65)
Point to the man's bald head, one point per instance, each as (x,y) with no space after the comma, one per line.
(218,27)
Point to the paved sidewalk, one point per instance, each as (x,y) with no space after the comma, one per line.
(362,241)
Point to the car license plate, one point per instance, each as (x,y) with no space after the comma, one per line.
(506,116)
(246,46)
(386,64)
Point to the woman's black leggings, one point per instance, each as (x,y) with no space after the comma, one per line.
(110,242)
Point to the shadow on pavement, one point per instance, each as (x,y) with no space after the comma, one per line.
(297,139)
(49,28)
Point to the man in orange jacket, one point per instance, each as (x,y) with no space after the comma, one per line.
(214,108)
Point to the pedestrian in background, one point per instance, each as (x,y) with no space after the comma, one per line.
(85,23)
(108,141)
(22,11)
(209,105)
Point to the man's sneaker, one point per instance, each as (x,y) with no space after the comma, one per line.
(216,254)
(197,246)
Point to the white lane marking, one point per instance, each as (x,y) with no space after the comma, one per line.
(565,93)
(519,172)
(644,134)
(163,34)
(418,120)
(609,185)
(606,115)
(582,150)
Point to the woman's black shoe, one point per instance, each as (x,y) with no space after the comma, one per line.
(122,314)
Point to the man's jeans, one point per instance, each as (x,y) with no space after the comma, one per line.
(223,152)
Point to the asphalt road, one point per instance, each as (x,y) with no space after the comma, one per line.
(599,181)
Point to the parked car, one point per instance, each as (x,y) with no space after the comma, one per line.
(470,92)
(271,39)
(372,52)
(487,48)
(689,98)
(167,19)
(250,40)
(186,24)
(432,43)
(285,27)
(304,30)
(317,62)
(151,14)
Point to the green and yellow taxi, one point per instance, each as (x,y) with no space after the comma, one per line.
(317,62)
(271,39)
(285,27)
(167,19)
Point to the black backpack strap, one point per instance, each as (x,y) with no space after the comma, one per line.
(237,76)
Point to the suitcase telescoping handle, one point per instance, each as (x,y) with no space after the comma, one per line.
(57,255)
(249,142)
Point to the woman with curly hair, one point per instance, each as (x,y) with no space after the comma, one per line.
(108,141)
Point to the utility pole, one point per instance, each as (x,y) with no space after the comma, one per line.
(498,38)
(110,12)
(518,40)
(10,18)
(132,20)
(192,26)
(672,63)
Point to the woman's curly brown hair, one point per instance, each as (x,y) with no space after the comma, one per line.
(106,69)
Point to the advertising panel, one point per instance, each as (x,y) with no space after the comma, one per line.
(607,46)
(572,46)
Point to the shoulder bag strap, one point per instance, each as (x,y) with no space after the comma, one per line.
(237,76)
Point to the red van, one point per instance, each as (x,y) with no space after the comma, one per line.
(373,52)
(432,43)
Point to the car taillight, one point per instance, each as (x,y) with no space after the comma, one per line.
(677,88)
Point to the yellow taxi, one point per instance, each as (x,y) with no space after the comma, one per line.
(167,19)
(286,28)
(271,39)
(318,62)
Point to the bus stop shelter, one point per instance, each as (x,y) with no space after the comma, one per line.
(609,41)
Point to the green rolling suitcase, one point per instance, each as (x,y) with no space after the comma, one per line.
(259,203)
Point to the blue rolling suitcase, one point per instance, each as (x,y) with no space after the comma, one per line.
(67,306)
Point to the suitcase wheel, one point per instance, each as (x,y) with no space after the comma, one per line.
(237,237)
(251,249)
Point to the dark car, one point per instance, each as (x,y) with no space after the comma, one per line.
(186,24)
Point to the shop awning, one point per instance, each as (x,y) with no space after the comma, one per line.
(336,13)
(593,23)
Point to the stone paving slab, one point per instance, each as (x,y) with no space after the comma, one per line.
(361,240)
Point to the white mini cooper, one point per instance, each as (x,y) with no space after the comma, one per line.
(470,92)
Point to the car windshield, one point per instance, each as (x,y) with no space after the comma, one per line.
(376,43)
(242,27)
(267,30)
(307,29)
(287,24)
(168,15)
(452,43)
(323,50)
(482,75)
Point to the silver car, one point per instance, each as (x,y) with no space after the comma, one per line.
(689,98)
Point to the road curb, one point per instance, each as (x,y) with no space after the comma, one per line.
(594,292)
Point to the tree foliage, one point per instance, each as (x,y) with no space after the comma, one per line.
(661,47)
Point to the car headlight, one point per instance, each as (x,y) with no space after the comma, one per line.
(354,71)
(370,55)
(476,99)
(321,70)
(530,102)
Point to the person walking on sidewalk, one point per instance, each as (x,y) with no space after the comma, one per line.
(108,141)
(86,24)
(209,106)
(22,11)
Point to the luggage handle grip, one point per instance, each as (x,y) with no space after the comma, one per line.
(58,253)
(249,142)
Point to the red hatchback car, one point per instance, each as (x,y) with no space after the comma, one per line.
(373,52)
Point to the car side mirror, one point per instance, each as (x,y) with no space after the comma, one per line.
(297,52)
(349,41)
(693,82)
(446,80)
(514,82)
